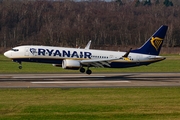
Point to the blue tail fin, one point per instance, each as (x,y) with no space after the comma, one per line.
(154,43)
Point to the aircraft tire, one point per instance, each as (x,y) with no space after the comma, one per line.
(88,72)
(20,67)
(82,70)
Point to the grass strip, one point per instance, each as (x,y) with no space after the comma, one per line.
(91,103)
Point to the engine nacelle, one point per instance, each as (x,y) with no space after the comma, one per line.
(71,64)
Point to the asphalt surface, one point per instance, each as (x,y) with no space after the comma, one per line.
(94,80)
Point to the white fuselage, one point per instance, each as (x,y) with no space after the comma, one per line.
(55,55)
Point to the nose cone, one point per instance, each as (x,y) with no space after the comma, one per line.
(7,54)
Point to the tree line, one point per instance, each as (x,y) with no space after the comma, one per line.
(70,24)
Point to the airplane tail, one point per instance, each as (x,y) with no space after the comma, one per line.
(154,43)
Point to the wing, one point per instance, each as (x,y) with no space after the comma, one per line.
(97,62)
(103,62)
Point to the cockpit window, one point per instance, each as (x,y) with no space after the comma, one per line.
(15,50)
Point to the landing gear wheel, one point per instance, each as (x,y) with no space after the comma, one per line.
(88,72)
(82,70)
(20,67)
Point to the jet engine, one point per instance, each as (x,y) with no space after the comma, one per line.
(71,64)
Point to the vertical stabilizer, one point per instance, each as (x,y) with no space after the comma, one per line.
(154,43)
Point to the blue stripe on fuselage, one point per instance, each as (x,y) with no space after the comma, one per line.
(128,64)
(59,61)
(39,60)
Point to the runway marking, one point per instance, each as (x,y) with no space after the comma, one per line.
(79,82)
(61,77)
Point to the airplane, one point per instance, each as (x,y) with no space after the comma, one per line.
(78,59)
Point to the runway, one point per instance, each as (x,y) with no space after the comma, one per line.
(94,80)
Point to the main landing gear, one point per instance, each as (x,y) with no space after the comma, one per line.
(88,71)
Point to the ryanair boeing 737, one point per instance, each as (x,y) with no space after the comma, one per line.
(77,58)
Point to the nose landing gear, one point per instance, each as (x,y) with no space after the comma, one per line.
(19,62)
(20,65)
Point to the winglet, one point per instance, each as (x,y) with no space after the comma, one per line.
(88,45)
(127,53)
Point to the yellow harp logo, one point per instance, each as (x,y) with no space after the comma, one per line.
(156,42)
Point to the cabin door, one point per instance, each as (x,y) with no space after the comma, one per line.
(26,52)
